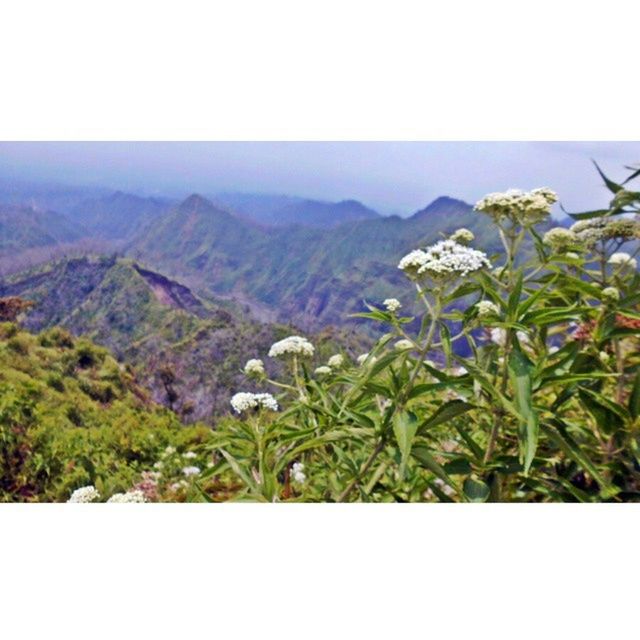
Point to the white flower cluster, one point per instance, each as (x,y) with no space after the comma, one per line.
(323,370)
(254,367)
(588,232)
(293,345)
(130,496)
(190,455)
(243,401)
(445,258)
(524,207)
(365,357)
(559,238)
(611,294)
(392,305)
(85,494)
(191,471)
(487,309)
(499,336)
(336,361)
(623,259)
(401,345)
(463,236)
(297,473)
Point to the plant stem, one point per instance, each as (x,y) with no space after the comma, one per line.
(367,465)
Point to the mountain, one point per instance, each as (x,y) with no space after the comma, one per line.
(158,325)
(24,227)
(277,211)
(312,277)
(117,215)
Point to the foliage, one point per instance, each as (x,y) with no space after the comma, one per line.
(544,408)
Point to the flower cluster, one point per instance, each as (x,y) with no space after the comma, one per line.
(623,259)
(487,309)
(190,455)
(323,370)
(401,345)
(254,367)
(559,238)
(499,336)
(462,236)
(443,259)
(297,473)
(365,357)
(293,345)
(611,294)
(522,207)
(148,485)
(136,496)
(85,494)
(191,471)
(244,401)
(392,305)
(336,361)
(589,232)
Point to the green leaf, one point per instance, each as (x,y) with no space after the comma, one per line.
(446,412)
(405,425)
(611,185)
(520,369)
(608,415)
(476,490)
(426,460)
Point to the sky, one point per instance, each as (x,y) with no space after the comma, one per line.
(391,177)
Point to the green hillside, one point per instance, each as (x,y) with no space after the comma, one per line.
(71,415)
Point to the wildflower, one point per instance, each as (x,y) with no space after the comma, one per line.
(191,471)
(323,371)
(403,344)
(190,455)
(572,255)
(136,496)
(365,358)
(623,259)
(85,494)
(553,350)
(254,367)
(523,207)
(392,305)
(487,309)
(499,336)
(293,345)
(176,486)
(148,485)
(589,232)
(443,259)
(610,294)
(463,236)
(243,401)
(559,238)
(336,361)
(604,356)
(459,371)
(169,451)
(297,473)
(158,465)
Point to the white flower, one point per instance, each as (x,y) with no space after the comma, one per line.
(487,309)
(623,258)
(254,367)
(459,371)
(463,236)
(85,494)
(169,451)
(559,238)
(293,345)
(524,207)
(444,259)
(243,401)
(323,371)
(611,294)
(297,473)
(191,471)
(176,486)
(130,496)
(158,465)
(392,304)
(336,361)
(404,344)
(591,231)
(553,350)
(572,255)
(190,455)
(499,336)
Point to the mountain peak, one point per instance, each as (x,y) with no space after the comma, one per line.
(442,206)
(195,202)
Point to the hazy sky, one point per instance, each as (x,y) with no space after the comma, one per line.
(393,177)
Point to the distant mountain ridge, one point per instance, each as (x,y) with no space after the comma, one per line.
(280,211)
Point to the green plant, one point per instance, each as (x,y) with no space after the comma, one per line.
(519,381)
